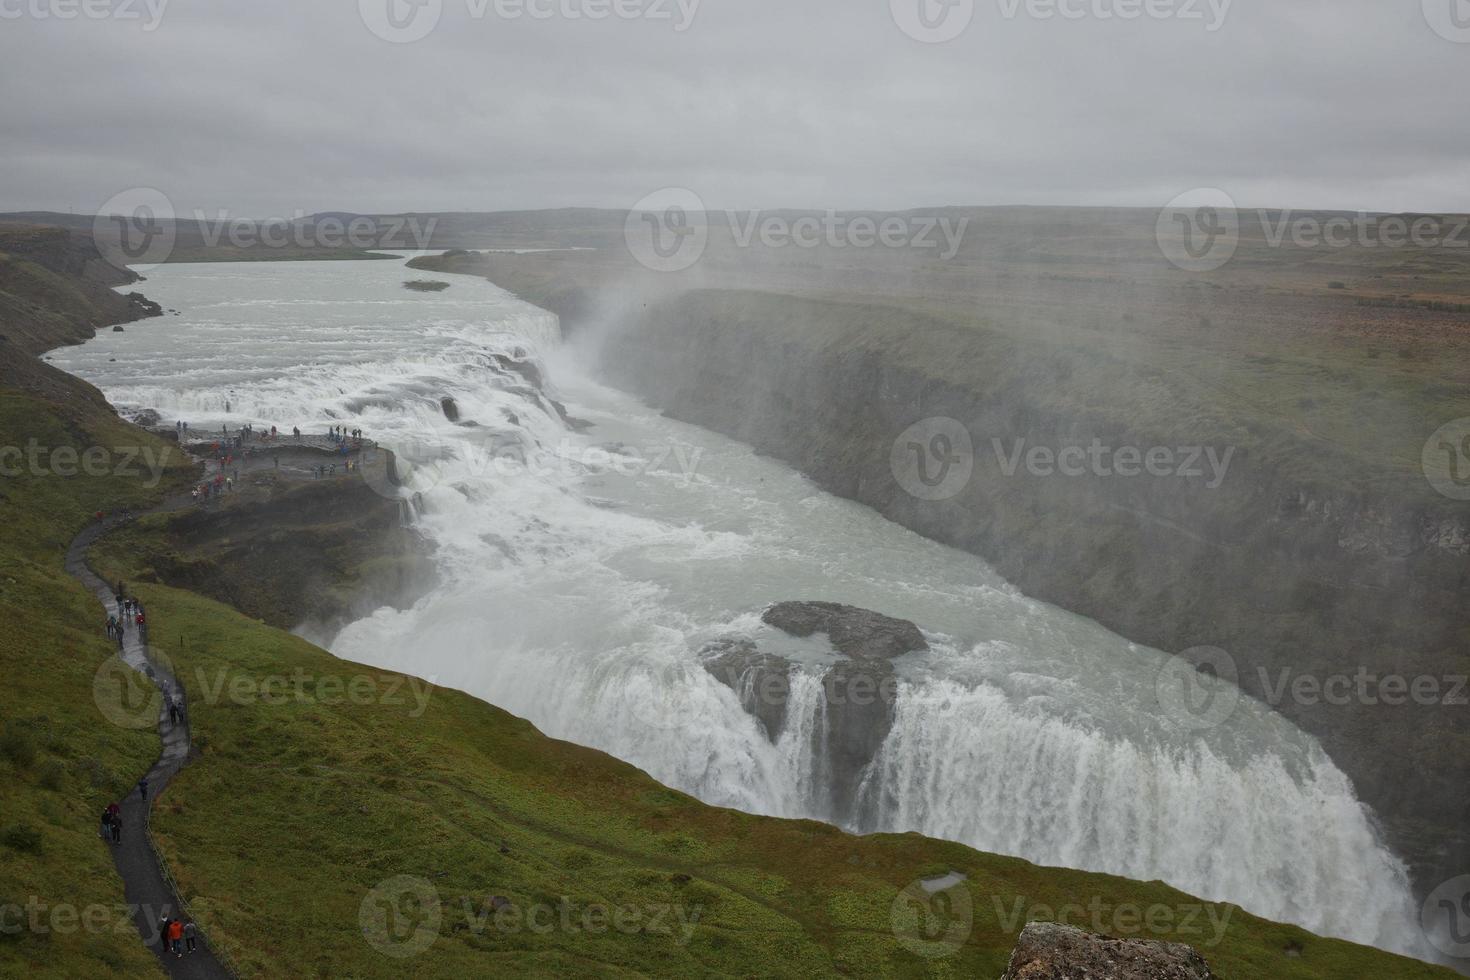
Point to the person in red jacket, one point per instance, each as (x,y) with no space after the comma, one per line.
(176,936)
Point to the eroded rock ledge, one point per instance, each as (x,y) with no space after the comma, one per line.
(859,692)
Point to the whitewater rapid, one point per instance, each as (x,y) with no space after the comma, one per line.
(586,557)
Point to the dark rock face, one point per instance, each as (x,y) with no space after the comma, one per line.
(762,680)
(858,694)
(858,703)
(451,409)
(1048,951)
(140,306)
(858,633)
(1284,577)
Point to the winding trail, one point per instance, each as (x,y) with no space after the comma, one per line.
(149,890)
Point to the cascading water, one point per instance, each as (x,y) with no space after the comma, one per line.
(582,570)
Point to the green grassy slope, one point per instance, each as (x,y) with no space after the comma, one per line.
(61,762)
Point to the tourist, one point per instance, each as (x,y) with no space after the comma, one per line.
(176,937)
(189,936)
(143,788)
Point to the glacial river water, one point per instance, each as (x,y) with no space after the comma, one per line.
(582,570)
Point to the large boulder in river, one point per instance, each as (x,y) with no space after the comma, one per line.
(859,692)
(1049,951)
(859,633)
(761,680)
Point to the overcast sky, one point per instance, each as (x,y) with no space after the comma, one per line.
(266,107)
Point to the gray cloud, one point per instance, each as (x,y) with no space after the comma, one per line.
(278,105)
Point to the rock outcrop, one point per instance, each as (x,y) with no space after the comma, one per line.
(1048,951)
(858,693)
(858,633)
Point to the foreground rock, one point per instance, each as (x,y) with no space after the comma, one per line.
(1048,951)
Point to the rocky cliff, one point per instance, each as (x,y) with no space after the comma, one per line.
(1294,573)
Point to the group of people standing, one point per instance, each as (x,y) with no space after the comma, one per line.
(129,611)
(111,829)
